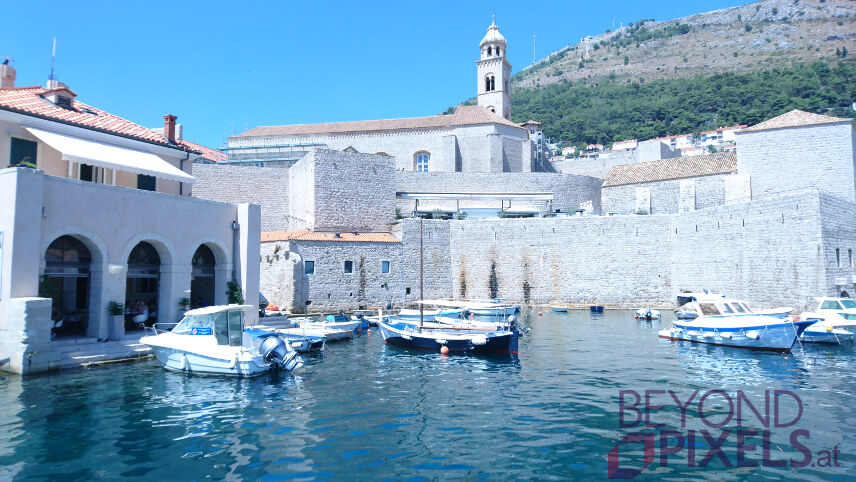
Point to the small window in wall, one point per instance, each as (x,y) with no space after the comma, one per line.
(384,266)
(348,267)
(146,183)
(837,257)
(850,258)
(407,291)
(309,267)
(23,152)
(532,131)
(422,159)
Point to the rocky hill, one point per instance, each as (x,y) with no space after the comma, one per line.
(759,36)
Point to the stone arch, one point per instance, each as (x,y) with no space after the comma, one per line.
(171,277)
(844,294)
(222,268)
(96,245)
(70,275)
(164,247)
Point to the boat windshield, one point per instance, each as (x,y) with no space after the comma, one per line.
(849,304)
(849,316)
(744,305)
(739,308)
(727,309)
(187,325)
(708,309)
(830,305)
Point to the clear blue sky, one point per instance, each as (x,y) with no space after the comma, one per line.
(221,66)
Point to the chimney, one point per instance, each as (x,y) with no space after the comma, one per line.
(169,127)
(7,75)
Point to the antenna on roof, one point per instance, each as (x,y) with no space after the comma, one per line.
(53,58)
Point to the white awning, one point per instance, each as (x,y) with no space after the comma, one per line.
(94,153)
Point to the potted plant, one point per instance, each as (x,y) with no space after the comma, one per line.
(116,313)
(233,293)
(184,304)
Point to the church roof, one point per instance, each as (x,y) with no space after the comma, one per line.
(669,169)
(464,115)
(795,118)
(493,36)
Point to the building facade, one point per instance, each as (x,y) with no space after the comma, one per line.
(95,209)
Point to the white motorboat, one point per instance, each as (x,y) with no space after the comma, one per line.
(722,321)
(835,321)
(212,340)
(647,313)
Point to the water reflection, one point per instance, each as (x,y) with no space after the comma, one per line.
(364,409)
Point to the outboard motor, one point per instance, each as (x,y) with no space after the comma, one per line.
(276,352)
(512,322)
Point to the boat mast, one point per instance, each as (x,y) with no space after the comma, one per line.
(421,277)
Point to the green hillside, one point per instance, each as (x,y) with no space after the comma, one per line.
(613,109)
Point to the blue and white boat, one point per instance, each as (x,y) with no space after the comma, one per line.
(727,322)
(835,321)
(212,341)
(454,338)
(647,313)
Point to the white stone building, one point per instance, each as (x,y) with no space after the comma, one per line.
(479,138)
(94,209)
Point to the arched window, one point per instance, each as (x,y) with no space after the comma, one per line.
(421,160)
(492,83)
(497,52)
(487,84)
(489,52)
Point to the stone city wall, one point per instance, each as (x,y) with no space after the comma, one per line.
(774,252)
(265,186)
(568,191)
(619,260)
(667,197)
(839,245)
(352,192)
(285,283)
(817,156)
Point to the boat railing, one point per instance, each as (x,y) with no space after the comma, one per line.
(159,328)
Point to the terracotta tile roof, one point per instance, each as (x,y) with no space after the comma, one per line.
(208,153)
(677,168)
(795,118)
(306,235)
(29,101)
(463,116)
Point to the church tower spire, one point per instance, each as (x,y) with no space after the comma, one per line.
(494,73)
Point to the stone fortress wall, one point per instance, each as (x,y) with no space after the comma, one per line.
(568,191)
(666,197)
(776,251)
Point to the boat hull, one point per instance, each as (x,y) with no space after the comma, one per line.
(493,342)
(778,336)
(177,360)
(820,334)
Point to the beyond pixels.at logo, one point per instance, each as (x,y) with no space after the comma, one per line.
(774,410)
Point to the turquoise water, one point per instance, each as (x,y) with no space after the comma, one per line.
(364,410)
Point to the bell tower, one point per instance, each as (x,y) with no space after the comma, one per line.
(494,73)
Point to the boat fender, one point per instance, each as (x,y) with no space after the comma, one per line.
(829,328)
(185,366)
(753,335)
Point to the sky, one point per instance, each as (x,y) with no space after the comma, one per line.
(223,67)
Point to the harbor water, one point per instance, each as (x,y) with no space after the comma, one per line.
(365,410)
